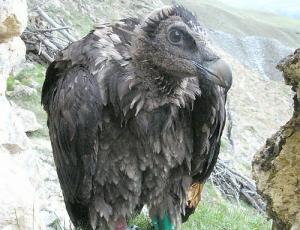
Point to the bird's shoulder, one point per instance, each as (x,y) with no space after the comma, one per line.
(108,42)
(105,53)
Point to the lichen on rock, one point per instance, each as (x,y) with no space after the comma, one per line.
(13,19)
(276,168)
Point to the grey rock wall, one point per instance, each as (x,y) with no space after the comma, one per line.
(18,203)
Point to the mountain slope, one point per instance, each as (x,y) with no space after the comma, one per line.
(244,22)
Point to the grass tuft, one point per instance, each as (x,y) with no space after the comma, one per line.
(217,213)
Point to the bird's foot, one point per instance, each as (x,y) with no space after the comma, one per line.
(194,195)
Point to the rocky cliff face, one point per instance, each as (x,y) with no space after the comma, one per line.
(17,203)
(13,20)
(276,168)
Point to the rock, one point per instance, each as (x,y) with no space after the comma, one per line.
(276,168)
(27,118)
(21,91)
(12,53)
(12,135)
(13,18)
(18,205)
(39,166)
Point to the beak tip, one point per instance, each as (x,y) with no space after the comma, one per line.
(225,73)
(219,72)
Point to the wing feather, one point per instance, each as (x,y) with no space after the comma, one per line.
(208,120)
(80,96)
(74,118)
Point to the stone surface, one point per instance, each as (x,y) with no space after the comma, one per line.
(39,166)
(18,211)
(12,53)
(21,91)
(27,118)
(19,206)
(13,18)
(276,168)
(12,135)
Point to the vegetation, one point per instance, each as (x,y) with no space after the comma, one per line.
(29,75)
(10,83)
(216,213)
(32,77)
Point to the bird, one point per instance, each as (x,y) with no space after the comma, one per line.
(136,110)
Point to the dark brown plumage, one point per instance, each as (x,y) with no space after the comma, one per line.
(135,115)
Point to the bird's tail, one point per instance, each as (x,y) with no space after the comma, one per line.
(79,215)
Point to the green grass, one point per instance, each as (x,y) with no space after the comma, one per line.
(80,23)
(29,76)
(217,213)
(10,83)
(142,221)
(225,215)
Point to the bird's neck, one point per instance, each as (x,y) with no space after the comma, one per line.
(160,88)
(156,81)
(164,85)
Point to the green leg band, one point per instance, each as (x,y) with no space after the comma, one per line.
(166,223)
(162,224)
(155,223)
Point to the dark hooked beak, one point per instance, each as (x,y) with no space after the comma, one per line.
(217,71)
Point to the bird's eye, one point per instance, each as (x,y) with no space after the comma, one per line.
(175,37)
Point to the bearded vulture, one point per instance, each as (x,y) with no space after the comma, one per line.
(136,111)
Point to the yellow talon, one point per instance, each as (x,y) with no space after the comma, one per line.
(194,195)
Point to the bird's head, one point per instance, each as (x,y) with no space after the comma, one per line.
(171,42)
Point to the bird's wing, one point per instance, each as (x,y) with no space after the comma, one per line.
(74,106)
(74,118)
(208,120)
(74,95)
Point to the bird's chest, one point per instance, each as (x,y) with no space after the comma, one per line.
(165,135)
